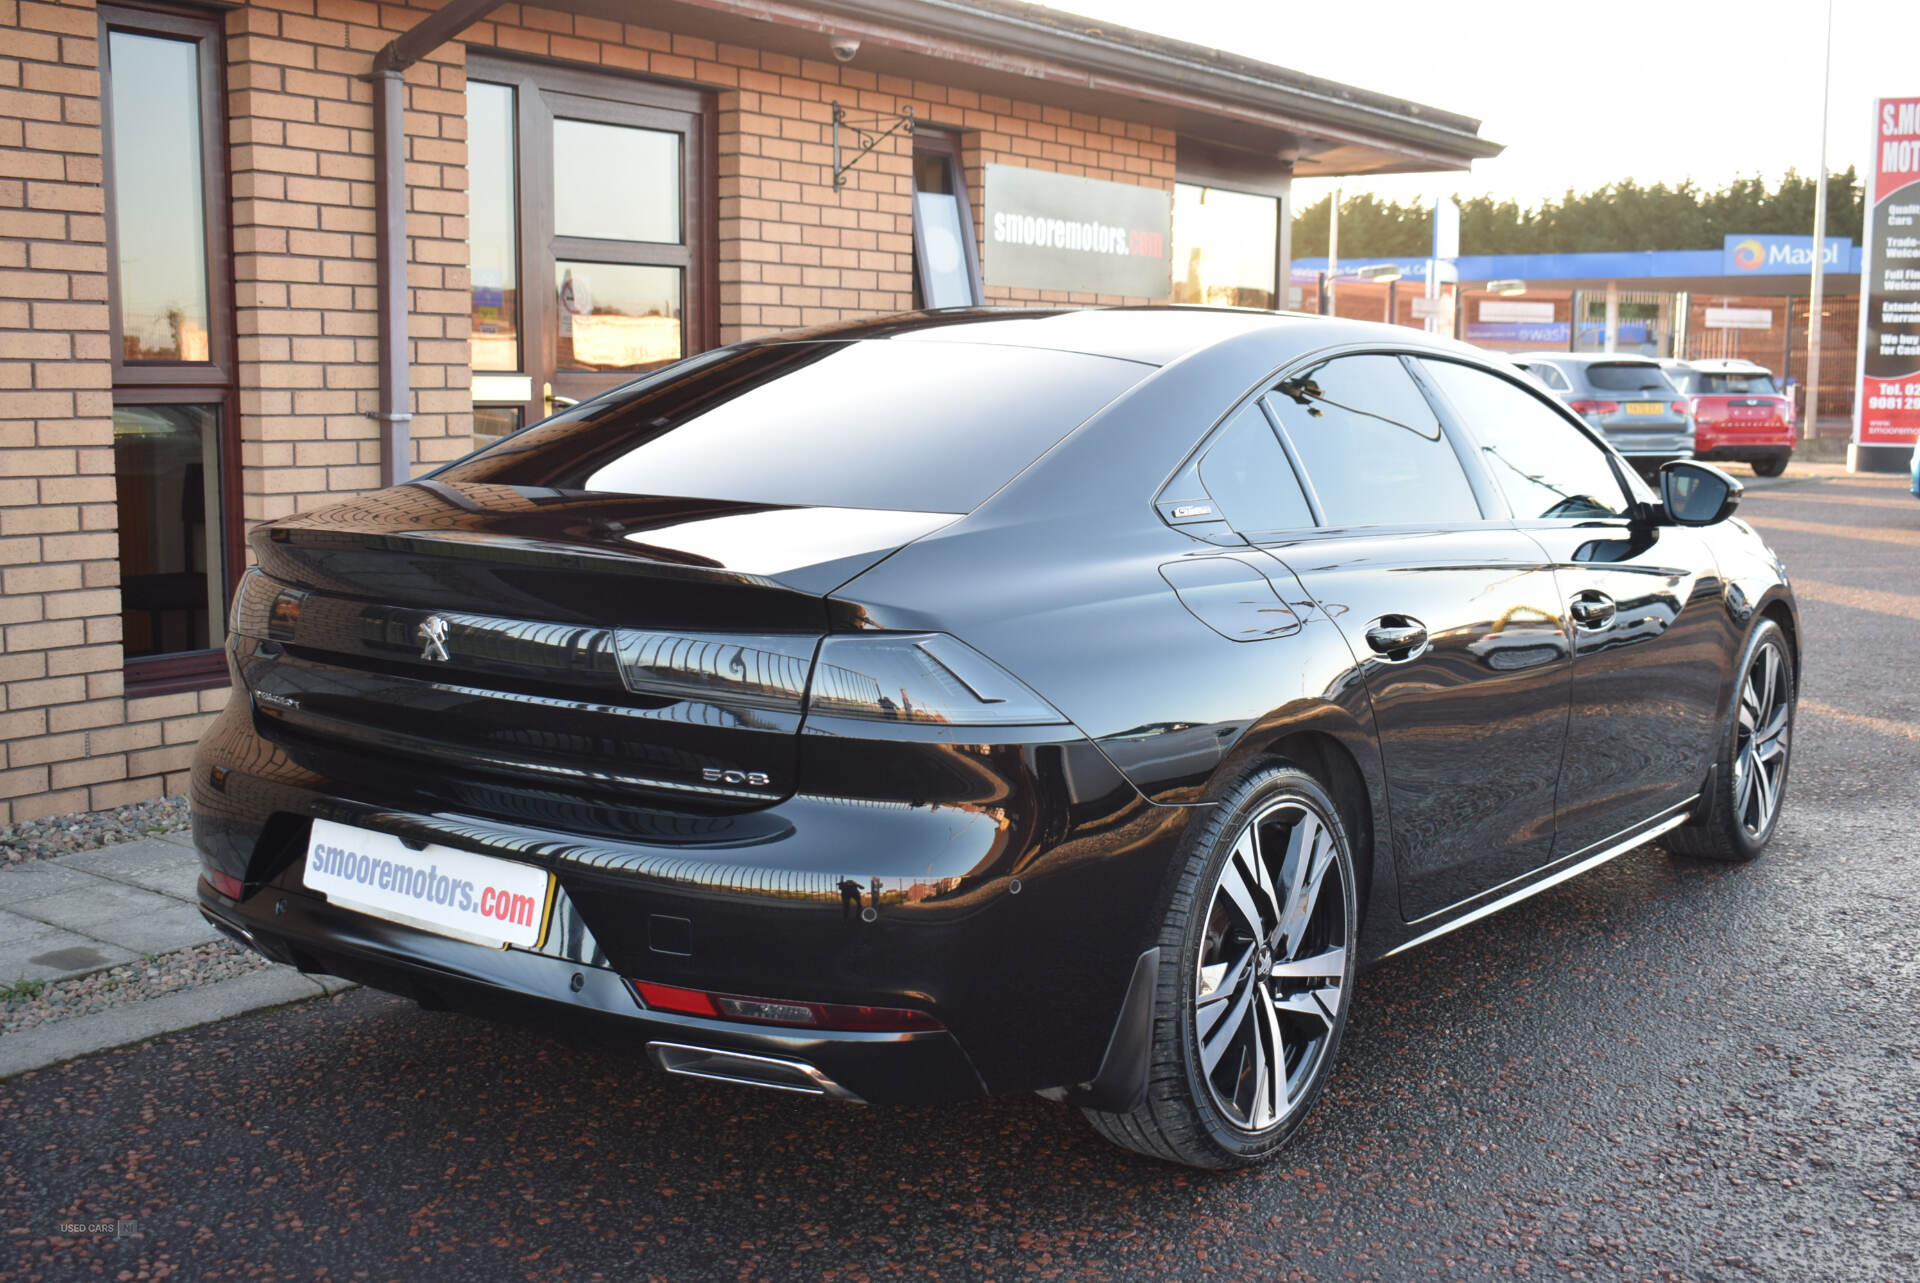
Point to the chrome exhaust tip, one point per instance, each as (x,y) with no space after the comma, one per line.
(777,1072)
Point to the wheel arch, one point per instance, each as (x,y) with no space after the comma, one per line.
(1331,747)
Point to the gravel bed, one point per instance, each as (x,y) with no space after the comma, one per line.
(61,834)
(203,964)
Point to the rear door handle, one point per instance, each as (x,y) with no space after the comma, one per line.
(1397,636)
(1592,610)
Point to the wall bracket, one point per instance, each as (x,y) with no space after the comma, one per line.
(864,128)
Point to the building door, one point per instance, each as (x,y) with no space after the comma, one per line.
(591,252)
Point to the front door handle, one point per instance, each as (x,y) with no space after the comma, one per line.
(1592,610)
(555,402)
(1397,637)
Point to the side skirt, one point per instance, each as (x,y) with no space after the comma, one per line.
(1672,819)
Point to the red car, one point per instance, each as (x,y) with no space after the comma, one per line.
(1738,413)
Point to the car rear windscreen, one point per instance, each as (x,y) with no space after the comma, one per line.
(1626,376)
(927,427)
(1705,384)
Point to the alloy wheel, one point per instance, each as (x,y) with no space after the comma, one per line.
(1761,740)
(1272,965)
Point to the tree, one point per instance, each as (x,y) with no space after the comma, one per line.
(1619,216)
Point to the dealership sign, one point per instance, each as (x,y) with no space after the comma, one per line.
(1780,255)
(1055,232)
(1887,403)
(1739,318)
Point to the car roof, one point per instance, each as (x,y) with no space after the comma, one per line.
(1725,365)
(1594,358)
(1152,335)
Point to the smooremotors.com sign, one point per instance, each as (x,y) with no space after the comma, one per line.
(1056,232)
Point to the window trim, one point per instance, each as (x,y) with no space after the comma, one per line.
(928,141)
(209,382)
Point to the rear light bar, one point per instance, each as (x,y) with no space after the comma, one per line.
(1596,407)
(780,1011)
(225,883)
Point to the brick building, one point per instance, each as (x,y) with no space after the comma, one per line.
(257,255)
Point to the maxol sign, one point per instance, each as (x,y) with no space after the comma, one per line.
(1768,255)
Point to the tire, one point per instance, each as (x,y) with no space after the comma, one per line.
(1214,1099)
(1749,786)
(1771,466)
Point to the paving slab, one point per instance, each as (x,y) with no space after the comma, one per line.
(16,927)
(41,879)
(151,863)
(178,926)
(58,955)
(95,910)
(49,1044)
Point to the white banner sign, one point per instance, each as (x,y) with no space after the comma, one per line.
(1506,309)
(1739,318)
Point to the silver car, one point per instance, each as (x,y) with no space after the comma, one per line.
(1627,397)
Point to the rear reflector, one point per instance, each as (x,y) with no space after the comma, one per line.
(226,884)
(778,1011)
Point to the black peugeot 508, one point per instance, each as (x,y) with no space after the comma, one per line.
(982,702)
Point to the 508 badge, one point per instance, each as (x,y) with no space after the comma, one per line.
(714,775)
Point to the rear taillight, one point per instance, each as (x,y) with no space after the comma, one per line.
(1682,406)
(780,1011)
(920,677)
(1596,407)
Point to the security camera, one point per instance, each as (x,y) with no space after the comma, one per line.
(844,47)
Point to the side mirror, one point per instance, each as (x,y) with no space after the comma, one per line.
(1697,494)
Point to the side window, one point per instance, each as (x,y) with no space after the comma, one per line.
(1544,465)
(1246,474)
(1551,377)
(1371,446)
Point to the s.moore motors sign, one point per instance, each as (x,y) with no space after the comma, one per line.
(1056,232)
(1765,254)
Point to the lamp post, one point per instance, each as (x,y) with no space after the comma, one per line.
(1390,273)
(1811,424)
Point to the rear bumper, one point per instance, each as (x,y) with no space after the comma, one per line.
(304,931)
(1744,451)
(1012,910)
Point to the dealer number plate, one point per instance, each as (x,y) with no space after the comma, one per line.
(438,889)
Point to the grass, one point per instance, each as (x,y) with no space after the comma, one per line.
(22,990)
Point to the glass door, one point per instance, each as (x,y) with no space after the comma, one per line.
(589,245)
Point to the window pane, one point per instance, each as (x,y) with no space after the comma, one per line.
(1544,465)
(1224,246)
(1735,385)
(491,422)
(159,225)
(493,230)
(1371,445)
(937,222)
(166,466)
(614,316)
(1246,474)
(1627,376)
(928,427)
(615,183)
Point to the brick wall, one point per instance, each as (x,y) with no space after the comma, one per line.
(300,123)
(71,741)
(792,251)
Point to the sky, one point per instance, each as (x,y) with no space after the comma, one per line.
(1582,95)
